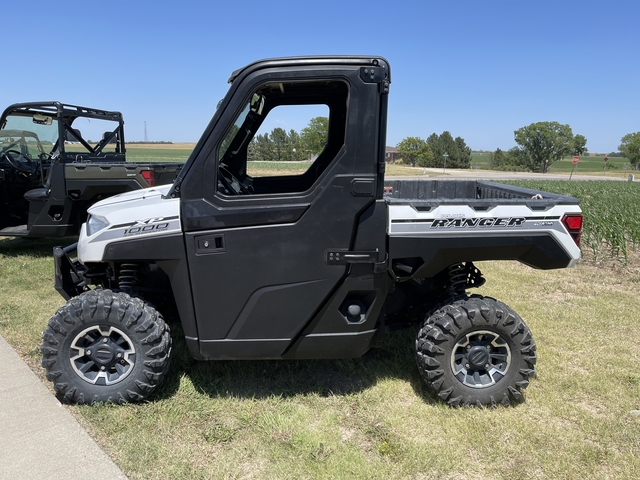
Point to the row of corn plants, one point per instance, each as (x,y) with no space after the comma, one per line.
(611,212)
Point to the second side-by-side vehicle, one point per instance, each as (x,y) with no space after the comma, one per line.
(50,174)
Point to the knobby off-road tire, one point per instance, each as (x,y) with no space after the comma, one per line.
(103,346)
(476,351)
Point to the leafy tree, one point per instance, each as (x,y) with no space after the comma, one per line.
(276,146)
(280,143)
(544,143)
(296,150)
(630,148)
(459,154)
(433,141)
(513,160)
(579,145)
(464,153)
(314,137)
(498,160)
(414,151)
(518,159)
(261,148)
(448,146)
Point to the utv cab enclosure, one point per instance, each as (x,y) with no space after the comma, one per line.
(318,264)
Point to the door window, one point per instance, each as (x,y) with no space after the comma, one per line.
(283,139)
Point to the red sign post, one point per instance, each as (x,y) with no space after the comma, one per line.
(575,161)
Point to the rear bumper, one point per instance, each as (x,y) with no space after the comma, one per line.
(69,278)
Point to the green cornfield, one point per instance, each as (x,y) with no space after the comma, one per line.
(611,212)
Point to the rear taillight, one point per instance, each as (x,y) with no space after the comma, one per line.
(573,223)
(149,176)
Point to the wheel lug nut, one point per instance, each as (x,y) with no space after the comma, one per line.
(88,352)
(487,366)
(105,340)
(468,347)
(467,365)
(119,355)
(103,368)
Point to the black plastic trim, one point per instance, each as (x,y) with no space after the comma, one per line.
(536,250)
(168,252)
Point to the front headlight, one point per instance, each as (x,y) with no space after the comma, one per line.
(95,223)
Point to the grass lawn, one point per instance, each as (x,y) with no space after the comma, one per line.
(152,153)
(586,165)
(590,164)
(372,417)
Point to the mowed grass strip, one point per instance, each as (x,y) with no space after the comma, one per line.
(157,153)
(586,164)
(372,417)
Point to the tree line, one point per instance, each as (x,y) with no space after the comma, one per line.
(538,146)
(282,146)
(436,151)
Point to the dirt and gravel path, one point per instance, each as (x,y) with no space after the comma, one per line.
(472,174)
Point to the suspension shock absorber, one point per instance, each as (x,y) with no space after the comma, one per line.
(457,279)
(463,276)
(128,276)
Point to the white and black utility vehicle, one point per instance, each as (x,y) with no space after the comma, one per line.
(311,265)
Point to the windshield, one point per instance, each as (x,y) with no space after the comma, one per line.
(226,143)
(29,134)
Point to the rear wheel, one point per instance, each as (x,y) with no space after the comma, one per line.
(103,346)
(476,351)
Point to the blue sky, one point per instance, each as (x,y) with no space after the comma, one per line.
(479,69)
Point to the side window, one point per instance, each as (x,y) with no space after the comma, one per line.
(289,140)
(284,139)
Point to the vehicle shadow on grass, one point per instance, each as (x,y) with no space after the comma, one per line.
(287,378)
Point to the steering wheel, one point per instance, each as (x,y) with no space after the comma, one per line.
(231,183)
(22,166)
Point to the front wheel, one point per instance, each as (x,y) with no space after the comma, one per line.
(476,351)
(103,346)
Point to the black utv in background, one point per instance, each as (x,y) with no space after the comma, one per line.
(50,174)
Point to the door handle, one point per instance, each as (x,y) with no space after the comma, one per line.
(344,257)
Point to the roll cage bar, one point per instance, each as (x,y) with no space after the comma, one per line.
(66,114)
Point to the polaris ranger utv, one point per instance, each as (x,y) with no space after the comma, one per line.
(50,175)
(316,265)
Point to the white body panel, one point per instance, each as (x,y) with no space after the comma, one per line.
(147,213)
(462,220)
(130,215)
